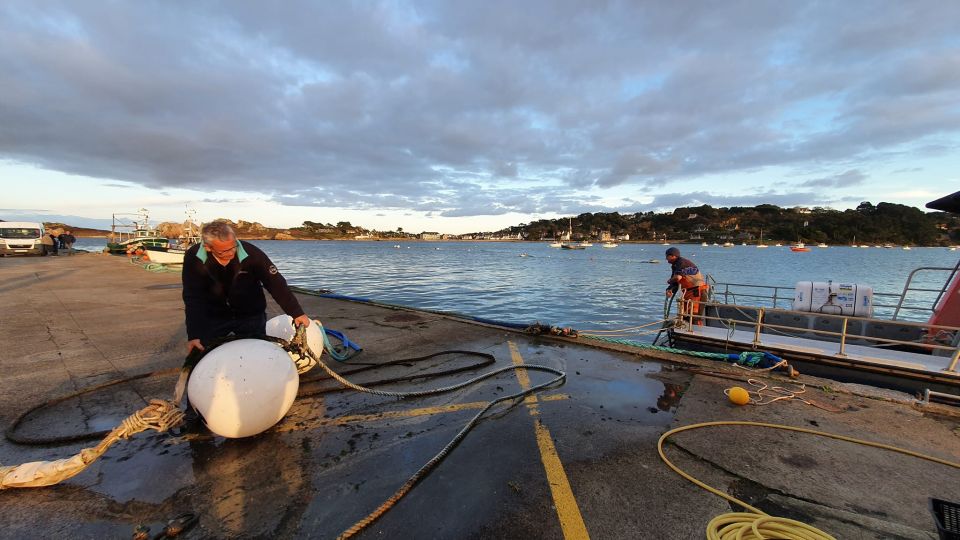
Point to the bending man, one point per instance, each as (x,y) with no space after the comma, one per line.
(223,282)
(683,273)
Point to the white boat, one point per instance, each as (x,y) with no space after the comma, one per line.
(728,244)
(761,244)
(704,244)
(830,329)
(163,256)
(585,244)
(609,244)
(906,247)
(822,245)
(555,244)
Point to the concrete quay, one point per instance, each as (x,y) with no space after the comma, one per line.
(576,461)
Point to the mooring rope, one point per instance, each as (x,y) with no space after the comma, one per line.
(750,359)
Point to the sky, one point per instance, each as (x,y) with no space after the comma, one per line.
(471,115)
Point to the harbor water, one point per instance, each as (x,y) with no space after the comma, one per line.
(593,288)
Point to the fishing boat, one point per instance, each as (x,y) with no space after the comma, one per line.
(173,252)
(830,328)
(127,236)
(163,256)
(799,247)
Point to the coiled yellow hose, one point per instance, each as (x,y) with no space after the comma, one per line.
(756,524)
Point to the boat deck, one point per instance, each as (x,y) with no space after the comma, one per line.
(741,339)
(577,461)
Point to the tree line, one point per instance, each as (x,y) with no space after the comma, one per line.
(867,224)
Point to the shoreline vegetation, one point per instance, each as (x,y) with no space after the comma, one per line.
(886,224)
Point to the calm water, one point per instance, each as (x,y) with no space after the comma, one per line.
(591,288)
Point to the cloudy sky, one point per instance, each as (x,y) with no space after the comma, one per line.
(464,116)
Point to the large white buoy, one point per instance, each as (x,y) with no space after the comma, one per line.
(243,387)
(282,327)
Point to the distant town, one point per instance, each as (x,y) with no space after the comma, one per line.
(884,223)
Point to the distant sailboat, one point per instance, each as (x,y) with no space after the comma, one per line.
(761,244)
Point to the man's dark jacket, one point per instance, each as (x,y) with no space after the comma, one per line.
(213,294)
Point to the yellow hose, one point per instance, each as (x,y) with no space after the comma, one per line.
(756,524)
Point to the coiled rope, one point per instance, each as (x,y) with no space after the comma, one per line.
(757,524)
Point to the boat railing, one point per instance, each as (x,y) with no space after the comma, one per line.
(909,287)
(936,340)
(778,296)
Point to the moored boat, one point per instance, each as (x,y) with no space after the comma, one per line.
(830,328)
(127,237)
(163,256)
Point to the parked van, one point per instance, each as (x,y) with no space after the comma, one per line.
(21,238)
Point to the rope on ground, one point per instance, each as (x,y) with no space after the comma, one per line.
(779,393)
(155,266)
(160,415)
(751,359)
(757,524)
(597,332)
(298,344)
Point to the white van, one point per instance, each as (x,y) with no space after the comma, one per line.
(21,238)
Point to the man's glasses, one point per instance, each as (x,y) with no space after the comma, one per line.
(222,253)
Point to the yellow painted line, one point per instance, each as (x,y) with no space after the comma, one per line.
(571,521)
(296,424)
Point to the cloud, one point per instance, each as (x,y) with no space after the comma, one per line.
(459,108)
(849,178)
(669,201)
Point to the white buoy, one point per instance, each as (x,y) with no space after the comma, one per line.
(243,387)
(281,327)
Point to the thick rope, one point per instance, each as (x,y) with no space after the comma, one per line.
(160,415)
(757,525)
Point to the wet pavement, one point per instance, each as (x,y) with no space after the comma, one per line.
(575,461)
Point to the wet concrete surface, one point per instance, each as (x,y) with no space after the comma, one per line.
(72,322)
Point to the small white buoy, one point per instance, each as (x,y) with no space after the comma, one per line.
(243,387)
(281,327)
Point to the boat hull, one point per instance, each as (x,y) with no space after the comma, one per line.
(168,256)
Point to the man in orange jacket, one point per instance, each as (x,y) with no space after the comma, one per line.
(683,273)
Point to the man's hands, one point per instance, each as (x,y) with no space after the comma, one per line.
(194,344)
(302,320)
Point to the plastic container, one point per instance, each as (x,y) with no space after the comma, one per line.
(832,298)
(947,516)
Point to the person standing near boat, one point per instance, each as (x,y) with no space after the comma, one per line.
(685,274)
(223,282)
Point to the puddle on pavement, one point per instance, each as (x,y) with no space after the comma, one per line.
(267,485)
(615,388)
